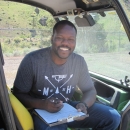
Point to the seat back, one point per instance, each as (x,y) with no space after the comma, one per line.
(22,116)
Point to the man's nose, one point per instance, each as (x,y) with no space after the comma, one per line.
(65,42)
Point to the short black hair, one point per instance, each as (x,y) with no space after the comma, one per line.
(64,22)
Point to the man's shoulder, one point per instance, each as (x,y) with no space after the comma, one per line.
(76,56)
(38,53)
(76,59)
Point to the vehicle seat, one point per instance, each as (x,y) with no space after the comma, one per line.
(23,118)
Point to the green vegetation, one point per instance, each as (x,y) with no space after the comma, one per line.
(107,35)
(23,28)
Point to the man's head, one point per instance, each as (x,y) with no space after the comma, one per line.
(63,39)
(64,22)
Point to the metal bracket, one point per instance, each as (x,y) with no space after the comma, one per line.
(126,81)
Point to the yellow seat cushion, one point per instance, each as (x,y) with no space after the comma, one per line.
(23,115)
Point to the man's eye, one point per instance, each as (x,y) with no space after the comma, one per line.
(59,39)
(71,40)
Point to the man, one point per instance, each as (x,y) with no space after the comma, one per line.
(51,74)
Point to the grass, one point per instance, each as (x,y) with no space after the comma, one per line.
(16,15)
(114,65)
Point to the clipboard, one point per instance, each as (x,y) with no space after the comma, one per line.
(67,114)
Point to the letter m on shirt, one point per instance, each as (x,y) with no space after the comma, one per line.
(45,91)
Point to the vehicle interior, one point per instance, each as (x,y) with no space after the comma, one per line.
(103,39)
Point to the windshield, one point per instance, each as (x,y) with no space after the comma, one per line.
(105,46)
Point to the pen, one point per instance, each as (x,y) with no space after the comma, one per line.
(54,101)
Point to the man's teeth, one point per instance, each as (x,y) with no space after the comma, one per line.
(64,49)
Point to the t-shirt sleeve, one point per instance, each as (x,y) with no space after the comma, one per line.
(85,81)
(24,77)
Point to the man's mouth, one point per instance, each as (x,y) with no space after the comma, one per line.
(64,48)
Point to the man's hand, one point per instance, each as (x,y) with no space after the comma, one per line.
(53,105)
(81,107)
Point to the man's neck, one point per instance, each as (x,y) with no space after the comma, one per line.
(57,60)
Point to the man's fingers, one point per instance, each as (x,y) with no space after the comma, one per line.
(79,110)
(82,110)
(81,107)
(81,118)
(56,108)
(54,105)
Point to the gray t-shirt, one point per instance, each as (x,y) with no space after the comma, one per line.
(39,76)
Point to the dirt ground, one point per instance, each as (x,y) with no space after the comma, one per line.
(10,68)
(114,65)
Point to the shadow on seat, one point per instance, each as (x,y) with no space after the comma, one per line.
(23,118)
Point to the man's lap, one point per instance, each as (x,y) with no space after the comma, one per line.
(100,116)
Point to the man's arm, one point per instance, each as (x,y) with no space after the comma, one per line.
(87,87)
(31,102)
(89,97)
(28,101)
(22,86)
(87,100)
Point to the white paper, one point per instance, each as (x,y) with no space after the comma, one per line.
(64,113)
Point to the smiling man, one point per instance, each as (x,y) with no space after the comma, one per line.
(63,42)
(48,77)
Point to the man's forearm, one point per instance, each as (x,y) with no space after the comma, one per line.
(89,97)
(30,102)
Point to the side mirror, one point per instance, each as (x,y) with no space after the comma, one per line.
(86,20)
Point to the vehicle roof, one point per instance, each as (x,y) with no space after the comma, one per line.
(60,7)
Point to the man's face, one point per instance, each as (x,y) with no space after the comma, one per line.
(63,41)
